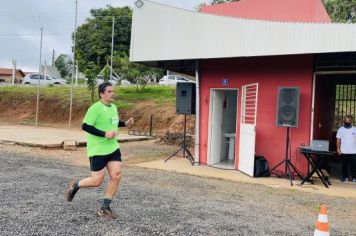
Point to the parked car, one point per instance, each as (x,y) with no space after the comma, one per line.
(100,79)
(173,80)
(125,82)
(45,79)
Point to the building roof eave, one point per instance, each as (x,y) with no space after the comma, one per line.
(165,37)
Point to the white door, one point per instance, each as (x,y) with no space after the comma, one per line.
(215,131)
(249,98)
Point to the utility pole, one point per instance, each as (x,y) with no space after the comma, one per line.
(45,69)
(39,78)
(53,57)
(76,75)
(13,71)
(112,44)
(71,84)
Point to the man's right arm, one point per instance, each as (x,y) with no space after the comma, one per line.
(92,130)
(97,132)
(338,145)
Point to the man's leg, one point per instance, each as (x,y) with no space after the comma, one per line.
(97,167)
(345,166)
(114,169)
(94,180)
(353,167)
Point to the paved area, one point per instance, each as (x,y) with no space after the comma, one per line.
(49,137)
(153,202)
(54,137)
(181,165)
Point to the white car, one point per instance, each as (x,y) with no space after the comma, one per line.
(125,82)
(100,79)
(45,79)
(173,80)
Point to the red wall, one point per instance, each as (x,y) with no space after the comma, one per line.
(270,73)
(280,10)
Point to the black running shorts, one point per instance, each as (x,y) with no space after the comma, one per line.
(98,163)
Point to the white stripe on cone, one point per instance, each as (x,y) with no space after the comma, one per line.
(320,233)
(323,218)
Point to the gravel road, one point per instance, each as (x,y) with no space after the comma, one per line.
(155,203)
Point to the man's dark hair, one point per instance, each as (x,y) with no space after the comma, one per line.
(349,117)
(102,87)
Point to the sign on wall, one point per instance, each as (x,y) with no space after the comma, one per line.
(225,82)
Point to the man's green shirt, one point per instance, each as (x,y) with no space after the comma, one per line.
(104,118)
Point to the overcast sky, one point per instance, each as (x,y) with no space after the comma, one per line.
(21,20)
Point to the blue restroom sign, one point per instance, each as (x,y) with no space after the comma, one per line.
(225,82)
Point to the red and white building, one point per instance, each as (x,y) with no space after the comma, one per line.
(9,75)
(241,53)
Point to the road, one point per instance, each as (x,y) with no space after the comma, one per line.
(155,202)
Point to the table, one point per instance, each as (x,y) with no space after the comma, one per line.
(322,157)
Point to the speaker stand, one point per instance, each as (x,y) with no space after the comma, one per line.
(288,164)
(184,146)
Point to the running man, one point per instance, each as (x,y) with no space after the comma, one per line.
(102,123)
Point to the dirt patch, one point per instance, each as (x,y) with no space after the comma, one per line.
(54,112)
(164,118)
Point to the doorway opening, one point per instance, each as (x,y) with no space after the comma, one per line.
(335,97)
(222,132)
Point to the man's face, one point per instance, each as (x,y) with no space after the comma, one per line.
(348,120)
(108,95)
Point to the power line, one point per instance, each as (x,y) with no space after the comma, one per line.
(61,20)
(66,16)
(10,34)
(50,34)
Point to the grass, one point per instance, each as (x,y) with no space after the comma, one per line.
(158,94)
(125,96)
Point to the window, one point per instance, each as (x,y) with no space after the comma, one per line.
(345,103)
(36,77)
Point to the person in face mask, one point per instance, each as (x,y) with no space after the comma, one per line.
(346,148)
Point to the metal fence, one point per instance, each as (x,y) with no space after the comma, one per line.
(345,103)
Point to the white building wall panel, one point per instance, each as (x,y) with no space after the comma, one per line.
(161,32)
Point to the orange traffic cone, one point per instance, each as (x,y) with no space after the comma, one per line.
(322,225)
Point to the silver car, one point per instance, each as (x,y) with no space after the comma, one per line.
(173,80)
(100,79)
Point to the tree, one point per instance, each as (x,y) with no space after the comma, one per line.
(64,65)
(342,11)
(90,73)
(93,38)
(137,73)
(214,2)
(93,45)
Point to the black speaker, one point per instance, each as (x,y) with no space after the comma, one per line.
(288,107)
(185,98)
(261,168)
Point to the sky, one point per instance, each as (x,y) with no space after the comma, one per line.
(21,21)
